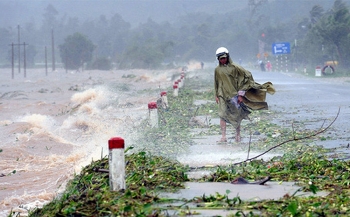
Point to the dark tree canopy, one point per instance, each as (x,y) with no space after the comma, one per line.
(76,50)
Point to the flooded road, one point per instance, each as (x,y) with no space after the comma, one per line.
(315,102)
(312,102)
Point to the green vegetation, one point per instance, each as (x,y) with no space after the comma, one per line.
(146,55)
(101,63)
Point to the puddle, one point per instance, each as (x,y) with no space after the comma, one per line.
(193,211)
(269,191)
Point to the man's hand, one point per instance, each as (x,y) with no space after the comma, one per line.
(241,93)
(217,99)
(239,99)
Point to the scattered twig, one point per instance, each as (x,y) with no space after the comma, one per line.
(101,170)
(195,113)
(162,117)
(241,181)
(250,141)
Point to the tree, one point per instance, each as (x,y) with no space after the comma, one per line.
(254,6)
(30,55)
(76,50)
(149,54)
(333,29)
(5,40)
(316,13)
(50,20)
(102,63)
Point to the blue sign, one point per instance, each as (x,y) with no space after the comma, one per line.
(281,48)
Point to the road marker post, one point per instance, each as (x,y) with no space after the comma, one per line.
(318,71)
(153,114)
(164,97)
(176,89)
(116,160)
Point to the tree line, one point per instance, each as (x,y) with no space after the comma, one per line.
(321,34)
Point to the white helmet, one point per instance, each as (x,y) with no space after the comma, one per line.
(221,51)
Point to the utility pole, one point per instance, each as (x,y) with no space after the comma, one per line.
(45,61)
(13,58)
(53,51)
(19,50)
(13,61)
(24,59)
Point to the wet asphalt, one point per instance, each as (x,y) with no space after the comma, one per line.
(312,100)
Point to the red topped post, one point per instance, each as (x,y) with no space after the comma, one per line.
(153,114)
(164,97)
(176,89)
(116,160)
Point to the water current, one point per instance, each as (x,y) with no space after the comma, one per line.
(51,126)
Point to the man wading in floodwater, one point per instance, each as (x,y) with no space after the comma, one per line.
(237,93)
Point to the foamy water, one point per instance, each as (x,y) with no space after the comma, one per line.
(54,125)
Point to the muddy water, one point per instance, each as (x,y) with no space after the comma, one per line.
(53,125)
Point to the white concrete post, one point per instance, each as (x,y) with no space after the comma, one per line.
(116,161)
(183,79)
(179,81)
(318,71)
(164,97)
(153,114)
(176,90)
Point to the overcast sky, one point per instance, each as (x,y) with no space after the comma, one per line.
(13,12)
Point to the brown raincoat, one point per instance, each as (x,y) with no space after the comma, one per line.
(231,78)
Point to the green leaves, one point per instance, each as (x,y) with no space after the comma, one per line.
(293,208)
(313,188)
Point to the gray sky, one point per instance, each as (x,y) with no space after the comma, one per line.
(13,12)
